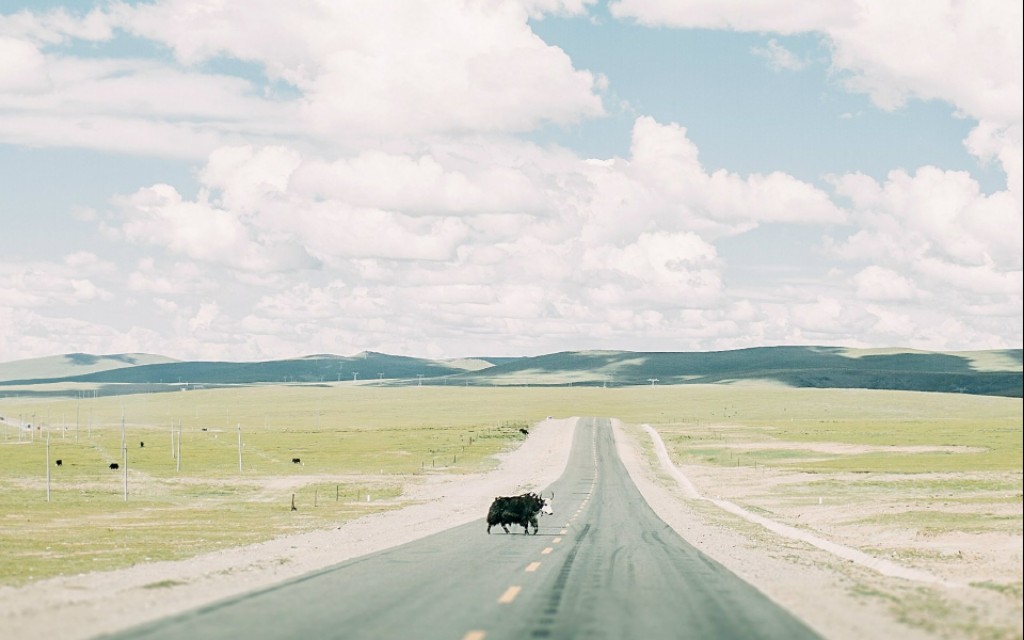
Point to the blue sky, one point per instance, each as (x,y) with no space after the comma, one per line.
(451,178)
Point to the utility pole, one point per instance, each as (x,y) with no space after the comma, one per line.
(126,472)
(47,465)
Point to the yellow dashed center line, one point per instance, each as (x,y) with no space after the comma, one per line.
(546,551)
(530,568)
(475,635)
(509,595)
(563,532)
(556,540)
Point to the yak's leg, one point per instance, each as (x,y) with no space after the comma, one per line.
(504,527)
(535,524)
(489,529)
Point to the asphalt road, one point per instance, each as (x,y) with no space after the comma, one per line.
(604,566)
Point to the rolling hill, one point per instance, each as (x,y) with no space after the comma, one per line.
(74,364)
(997,373)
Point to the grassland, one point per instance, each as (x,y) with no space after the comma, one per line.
(359,445)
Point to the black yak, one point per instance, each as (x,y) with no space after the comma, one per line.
(522,510)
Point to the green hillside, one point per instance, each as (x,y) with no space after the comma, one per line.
(985,373)
(995,373)
(74,364)
(320,368)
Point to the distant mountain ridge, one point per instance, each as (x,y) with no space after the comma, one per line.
(995,372)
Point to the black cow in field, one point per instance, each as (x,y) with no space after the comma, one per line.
(525,432)
(114,466)
(59,462)
(522,510)
(296,460)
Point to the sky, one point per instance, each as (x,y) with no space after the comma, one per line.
(213,180)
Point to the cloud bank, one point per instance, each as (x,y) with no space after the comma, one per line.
(365,183)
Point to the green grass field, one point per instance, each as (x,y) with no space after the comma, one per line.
(360,442)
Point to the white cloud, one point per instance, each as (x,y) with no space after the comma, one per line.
(936,248)
(33,333)
(620,251)
(878,283)
(781,16)
(426,185)
(247,178)
(56,26)
(387,70)
(180,279)
(359,73)
(47,284)
(380,200)
(966,53)
(24,68)
(659,269)
(779,57)
(933,213)
(204,318)
(158,215)
(666,161)
(86,262)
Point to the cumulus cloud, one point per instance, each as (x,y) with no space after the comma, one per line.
(664,158)
(200,230)
(362,185)
(47,284)
(488,236)
(355,73)
(390,69)
(933,243)
(878,283)
(24,68)
(932,214)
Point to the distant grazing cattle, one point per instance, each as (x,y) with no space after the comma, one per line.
(142,444)
(59,462)
(296,460)
(114,466)
(524,432)
(521,510)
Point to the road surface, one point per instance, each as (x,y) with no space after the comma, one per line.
(603,567)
